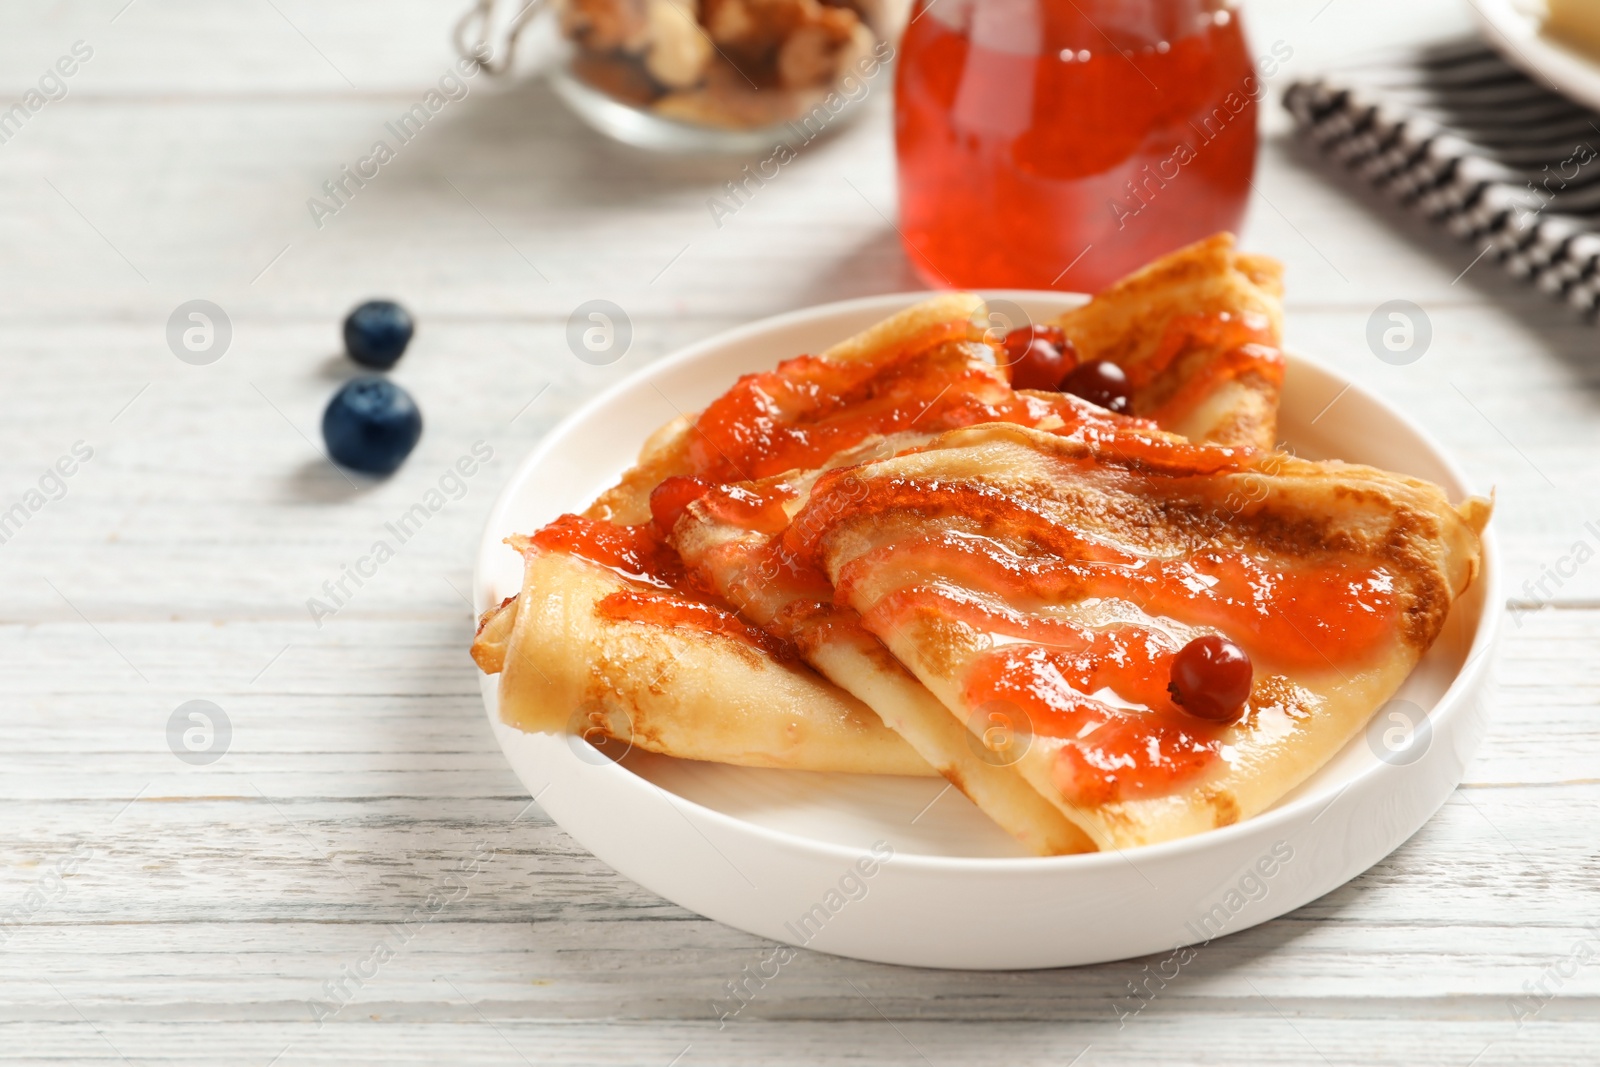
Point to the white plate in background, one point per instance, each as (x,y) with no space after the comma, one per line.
(760,849)
(1515,29)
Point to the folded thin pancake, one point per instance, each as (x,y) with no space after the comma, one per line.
(923,370)
(1040,584)
(1198,333)
(576,659)
(761,685)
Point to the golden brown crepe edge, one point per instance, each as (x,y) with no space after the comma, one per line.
(680,692)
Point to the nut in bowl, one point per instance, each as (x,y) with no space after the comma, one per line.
(803,627)
(714,75)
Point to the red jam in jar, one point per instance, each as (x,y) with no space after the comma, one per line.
(1060,144)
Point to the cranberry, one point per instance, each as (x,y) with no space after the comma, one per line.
(670,499)
(1016,341)
(1039,367)
(1038,356)
(1211,679)
(1100,382)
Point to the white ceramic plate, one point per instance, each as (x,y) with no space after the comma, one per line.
(763,849)
(1513,28)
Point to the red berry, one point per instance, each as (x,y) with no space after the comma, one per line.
(1039,367)
(1018,339)
(670,499)
(1016,342)
(1100,382)
(1038,356)
(1211,679)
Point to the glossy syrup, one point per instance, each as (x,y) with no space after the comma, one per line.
(1103,690)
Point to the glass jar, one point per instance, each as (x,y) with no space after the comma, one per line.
(710,75)
(1060,144)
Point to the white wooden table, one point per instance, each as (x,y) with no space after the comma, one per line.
(158,911)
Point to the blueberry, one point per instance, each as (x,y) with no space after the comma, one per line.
(377,332)
(371,425)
